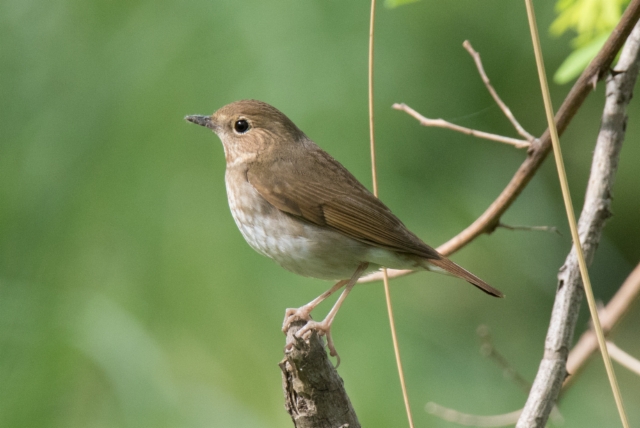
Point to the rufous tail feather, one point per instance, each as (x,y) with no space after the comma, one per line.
(451,268)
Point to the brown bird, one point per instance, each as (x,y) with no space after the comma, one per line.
(299,206)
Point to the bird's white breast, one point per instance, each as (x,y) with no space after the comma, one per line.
(298,246)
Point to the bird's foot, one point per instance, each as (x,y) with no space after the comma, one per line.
(324,329)
(291,315)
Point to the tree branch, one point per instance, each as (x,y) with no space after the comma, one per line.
(490,219)
(313,391)
(595,212)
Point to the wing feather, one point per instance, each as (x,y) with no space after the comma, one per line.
(338,201)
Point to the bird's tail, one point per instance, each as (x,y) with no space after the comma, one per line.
(446,266)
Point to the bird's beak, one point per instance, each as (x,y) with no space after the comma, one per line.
(202,121)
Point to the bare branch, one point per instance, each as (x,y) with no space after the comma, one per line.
(441,123)
(595,212)
(507,112)
(314,392)
(538,152)
(623,358)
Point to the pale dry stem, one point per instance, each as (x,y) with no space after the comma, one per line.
(441,123)
(623,358)
(467,419)
(552,229)
(505,109)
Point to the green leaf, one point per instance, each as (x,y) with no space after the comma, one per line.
(578,60)
(588,18)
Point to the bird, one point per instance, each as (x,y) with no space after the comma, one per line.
(296,204)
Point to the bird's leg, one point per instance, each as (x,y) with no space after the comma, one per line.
(324,327)
(304,312)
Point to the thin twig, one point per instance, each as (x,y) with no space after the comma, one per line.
(538,152)
(531,228)
(623,358)
(441,123)
(467,419)
(506,110)
(387,291)
(508,370)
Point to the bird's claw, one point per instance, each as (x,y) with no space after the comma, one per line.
(324,329)
(296,314)
(332,348)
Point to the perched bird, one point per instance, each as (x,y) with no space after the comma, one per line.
(299,206)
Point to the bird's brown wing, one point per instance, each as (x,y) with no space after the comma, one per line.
(326,194)
(339,201)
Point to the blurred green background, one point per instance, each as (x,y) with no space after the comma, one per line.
(129,299)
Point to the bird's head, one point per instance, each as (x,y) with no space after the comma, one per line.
(248,128)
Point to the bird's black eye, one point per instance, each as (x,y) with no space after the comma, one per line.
(241,126)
